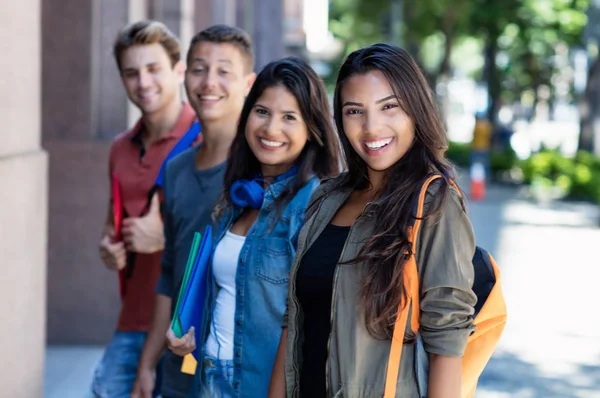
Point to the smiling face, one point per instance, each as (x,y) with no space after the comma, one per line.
(276,131)
(151,81)
(376,126)
(217,81)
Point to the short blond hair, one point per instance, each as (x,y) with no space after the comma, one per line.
(145,33)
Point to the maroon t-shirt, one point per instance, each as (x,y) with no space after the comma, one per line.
(137,170)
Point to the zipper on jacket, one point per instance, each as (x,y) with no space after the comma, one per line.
(296,304)
(335,278)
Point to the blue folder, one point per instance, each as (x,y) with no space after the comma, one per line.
(191,310)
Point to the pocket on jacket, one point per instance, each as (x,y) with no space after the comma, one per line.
(276,260)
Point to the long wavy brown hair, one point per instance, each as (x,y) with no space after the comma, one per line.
(320,156)
(385,253)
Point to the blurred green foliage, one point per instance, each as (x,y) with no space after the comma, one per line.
(500,161)
(578,177)
(442,35)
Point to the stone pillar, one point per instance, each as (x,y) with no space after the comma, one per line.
(262,19)
(168,12)
(211,12)
(66,73)
(23,214)
(109,102)
(267,31)
(84,107)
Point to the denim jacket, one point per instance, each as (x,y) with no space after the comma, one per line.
(262,285)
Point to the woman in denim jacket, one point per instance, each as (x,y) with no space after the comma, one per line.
(346,282)
(284,145)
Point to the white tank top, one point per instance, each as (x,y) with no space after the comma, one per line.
(225,261)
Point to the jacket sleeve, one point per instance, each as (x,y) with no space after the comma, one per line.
(444,254)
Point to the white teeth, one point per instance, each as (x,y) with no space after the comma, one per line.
(272,144)
(378,144)
(147,95)
(209,98)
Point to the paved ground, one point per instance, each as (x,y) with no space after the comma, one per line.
(550,274)
(69,371)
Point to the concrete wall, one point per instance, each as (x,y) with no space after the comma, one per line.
(84,107)
(23,199)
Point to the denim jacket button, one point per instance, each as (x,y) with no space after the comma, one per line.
(238,323)
(237,354)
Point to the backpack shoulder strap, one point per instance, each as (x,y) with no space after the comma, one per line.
(411,282)
(418,210)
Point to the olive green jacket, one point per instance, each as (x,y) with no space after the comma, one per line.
(356,364)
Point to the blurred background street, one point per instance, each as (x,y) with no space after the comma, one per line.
(517,83)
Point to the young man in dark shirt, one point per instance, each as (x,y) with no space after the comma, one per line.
(218,77)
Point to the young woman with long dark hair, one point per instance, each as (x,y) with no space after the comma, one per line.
(346,283)
(284,145)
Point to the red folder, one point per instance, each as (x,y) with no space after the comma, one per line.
(117,208)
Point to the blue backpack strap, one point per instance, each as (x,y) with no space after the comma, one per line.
(184,143)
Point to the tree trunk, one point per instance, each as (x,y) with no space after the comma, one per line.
(490,74)
(412,43)
(590,110)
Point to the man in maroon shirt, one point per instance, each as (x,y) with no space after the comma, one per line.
(148,58)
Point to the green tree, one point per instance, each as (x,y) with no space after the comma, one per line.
(520,37)
(359,23)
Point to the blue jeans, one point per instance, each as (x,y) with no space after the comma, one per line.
(217,378)
(115,375)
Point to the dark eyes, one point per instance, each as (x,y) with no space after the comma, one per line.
(202,70)
(355,111)
(287,117)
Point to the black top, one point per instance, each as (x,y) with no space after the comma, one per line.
(314,288)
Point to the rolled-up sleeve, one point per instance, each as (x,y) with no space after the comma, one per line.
(445,251)
(165,282)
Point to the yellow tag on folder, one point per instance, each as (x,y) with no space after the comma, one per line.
(189,365)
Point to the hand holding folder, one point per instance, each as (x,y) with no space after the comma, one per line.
(189,310)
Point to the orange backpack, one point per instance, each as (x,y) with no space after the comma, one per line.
(489,318)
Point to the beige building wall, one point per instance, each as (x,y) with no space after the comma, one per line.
(23,204)
(83,108)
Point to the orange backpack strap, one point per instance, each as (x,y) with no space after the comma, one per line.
(411,282)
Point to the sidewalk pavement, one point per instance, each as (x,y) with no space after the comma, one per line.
(69,371)
(548,258)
